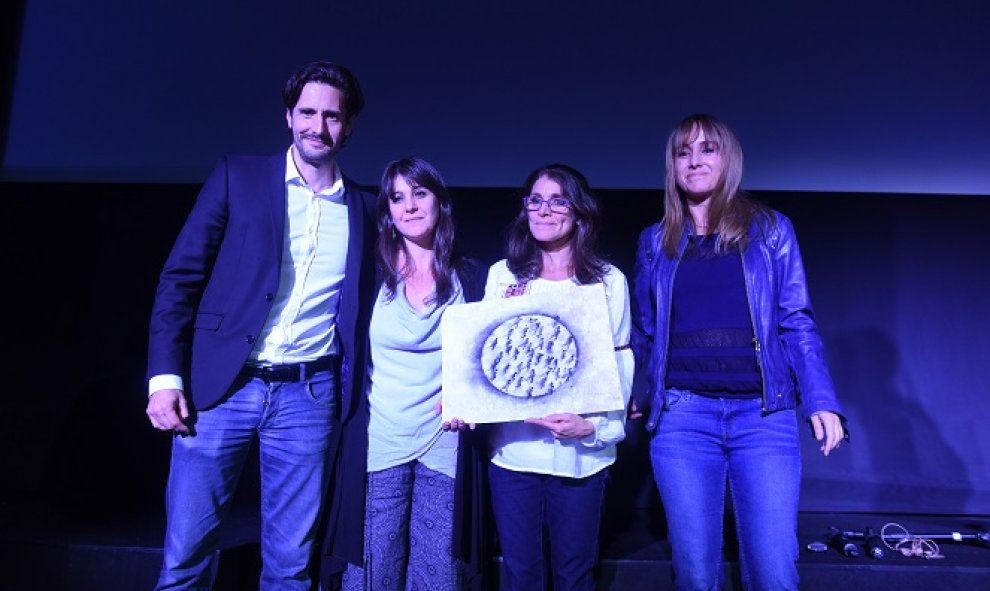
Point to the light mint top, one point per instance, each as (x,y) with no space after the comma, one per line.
(405,386)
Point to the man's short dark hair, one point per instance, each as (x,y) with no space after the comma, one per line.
(330,74)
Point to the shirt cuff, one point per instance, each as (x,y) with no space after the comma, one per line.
(591,440)
(164,382)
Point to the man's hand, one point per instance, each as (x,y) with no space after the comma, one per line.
(167,410)
(827,427)
(565,425)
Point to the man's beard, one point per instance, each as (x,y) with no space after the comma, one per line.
(316,157)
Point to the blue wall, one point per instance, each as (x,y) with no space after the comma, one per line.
(863,95)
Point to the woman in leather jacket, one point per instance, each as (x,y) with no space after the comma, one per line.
(724,331)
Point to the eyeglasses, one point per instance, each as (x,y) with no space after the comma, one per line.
(556,204)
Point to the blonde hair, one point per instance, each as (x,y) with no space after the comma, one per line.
(731,211)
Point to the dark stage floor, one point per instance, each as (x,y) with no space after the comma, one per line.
(48,549)
(636,555)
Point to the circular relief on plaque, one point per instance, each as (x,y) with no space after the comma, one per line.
(529,356)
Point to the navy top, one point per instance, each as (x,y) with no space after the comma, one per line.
(711,338)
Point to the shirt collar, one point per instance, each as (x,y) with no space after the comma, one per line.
(292,177)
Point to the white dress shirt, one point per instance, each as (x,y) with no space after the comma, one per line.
(301,325)
(302,322)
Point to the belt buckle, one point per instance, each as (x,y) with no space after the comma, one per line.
(289,372)
(264,373)
(275,373)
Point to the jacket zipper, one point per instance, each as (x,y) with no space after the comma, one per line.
(666,348)
(756,339)
(667,299)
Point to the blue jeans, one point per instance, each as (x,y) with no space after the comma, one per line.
(292,422)
(408,532)
(699,444)
(571,508)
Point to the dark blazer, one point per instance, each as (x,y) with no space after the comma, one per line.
(219,282)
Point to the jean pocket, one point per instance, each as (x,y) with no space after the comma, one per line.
(321,388)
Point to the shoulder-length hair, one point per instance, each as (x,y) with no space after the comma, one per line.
(523,254)
(731,210)
(391,246)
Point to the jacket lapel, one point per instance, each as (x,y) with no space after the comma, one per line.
(350,294)
(277,203)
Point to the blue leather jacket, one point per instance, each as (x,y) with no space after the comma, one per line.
(788,347)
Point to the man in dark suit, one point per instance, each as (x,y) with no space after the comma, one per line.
(258,331)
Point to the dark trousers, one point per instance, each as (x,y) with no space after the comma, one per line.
(571,509)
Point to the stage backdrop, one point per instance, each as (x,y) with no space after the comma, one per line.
(872,117)
(847,95)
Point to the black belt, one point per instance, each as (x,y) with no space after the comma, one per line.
(290,372)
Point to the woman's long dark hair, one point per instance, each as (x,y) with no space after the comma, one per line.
(523,254)
(417,172)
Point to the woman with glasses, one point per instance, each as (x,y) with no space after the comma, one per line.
(724,329)
(413,462)
(551,471)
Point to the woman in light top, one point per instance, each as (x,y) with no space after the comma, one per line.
(551,471)
(412,461)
